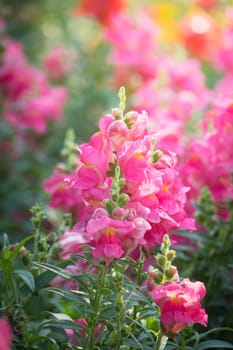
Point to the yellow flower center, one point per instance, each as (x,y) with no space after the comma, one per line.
(109,231)
(138,156)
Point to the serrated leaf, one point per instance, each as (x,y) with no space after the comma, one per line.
(27,277)
(210,344)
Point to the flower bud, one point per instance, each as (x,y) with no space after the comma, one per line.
(172,274)
(118,213)
(161,260)
(123,199)
(156,276)
(156,155)
(116,113)
(171,255)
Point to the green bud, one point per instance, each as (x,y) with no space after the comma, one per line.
(42,245)
(161,260)
(126,329)
(156,276)
(122,98)
(172,274)
(121,182)
(156,155)
(166,244)
(123,199)
(114,197)
(171,255)
(109,205)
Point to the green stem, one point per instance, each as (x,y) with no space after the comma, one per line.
(96,307)
(139,272)
(120,310)
(161,342)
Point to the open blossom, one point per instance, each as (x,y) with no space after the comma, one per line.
(179,305)
(5,335)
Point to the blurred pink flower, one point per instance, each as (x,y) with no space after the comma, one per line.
(5,335)
(60,62)
(102,10)
(134,47)
(29,101)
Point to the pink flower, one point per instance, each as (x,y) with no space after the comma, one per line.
(63,195)
(80,338)
(5,335)
(109,235)
(179,305)
(151,199)
(59,282)
(134,48)
(29,102)
(72,337)
(94,165)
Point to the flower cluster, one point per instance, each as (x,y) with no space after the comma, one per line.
(29,101)
(131,193)
(209,160)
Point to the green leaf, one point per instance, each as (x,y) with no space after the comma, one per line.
(213,330)
(210,344)
(20,245)
(60,316)
(73,296)
(57,270)
(27,277)
(43,279)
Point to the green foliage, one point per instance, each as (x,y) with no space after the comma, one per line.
(208,258)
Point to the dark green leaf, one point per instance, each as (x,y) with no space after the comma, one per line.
(210,344)
(27,277)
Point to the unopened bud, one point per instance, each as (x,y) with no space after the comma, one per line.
(123,199)
(52,237)
(172,274)
(161,260)
(118,213)
(171,255)
(116,113)
(156,155)
(42,245)
(166,244)
(150,284)
(156,276)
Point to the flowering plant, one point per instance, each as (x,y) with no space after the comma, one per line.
(108,280)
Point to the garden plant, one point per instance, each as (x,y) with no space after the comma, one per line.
(116,175)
